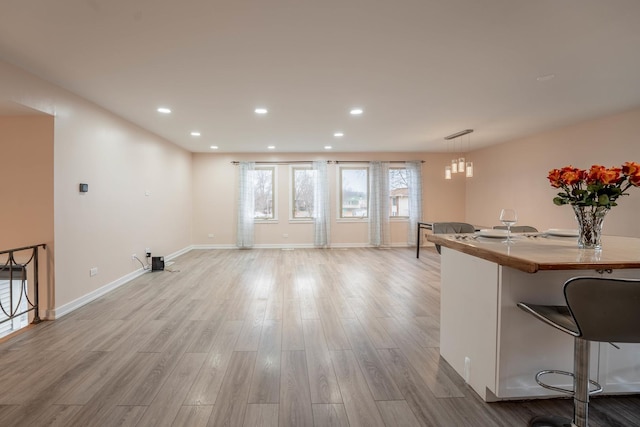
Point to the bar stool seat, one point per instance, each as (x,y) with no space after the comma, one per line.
(598,309)
(451,227)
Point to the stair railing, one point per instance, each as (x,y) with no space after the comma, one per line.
(14,264)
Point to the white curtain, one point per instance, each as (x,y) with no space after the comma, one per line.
(246,205)
(379,234)
(321,205)
(414,177)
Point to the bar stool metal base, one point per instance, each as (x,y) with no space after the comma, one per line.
(598,309)
(550,421)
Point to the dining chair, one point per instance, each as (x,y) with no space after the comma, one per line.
(598,309)
(452,227)
(517,228)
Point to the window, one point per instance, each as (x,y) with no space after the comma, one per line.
(303,193)
(263,185)
(354,192)
(398,193)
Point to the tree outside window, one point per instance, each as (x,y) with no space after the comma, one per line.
(398,192)
(303,192)
(263,192)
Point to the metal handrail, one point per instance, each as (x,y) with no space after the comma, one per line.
(11,270)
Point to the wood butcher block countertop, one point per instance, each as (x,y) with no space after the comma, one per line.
(534,252)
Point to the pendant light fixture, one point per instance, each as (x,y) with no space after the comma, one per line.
(448,169)
(454,161)
(469,172)
(459,164)
(460,159)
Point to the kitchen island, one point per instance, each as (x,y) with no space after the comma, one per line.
(495,346)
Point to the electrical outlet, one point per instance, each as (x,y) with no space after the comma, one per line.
(285,235)
(211,235)
(133,257)
(93,271)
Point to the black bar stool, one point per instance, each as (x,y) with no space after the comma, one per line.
(598,309)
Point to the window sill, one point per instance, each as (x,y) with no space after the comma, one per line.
(300,221)
(352,219)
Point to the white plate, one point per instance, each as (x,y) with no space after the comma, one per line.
(489,232)
(562,232)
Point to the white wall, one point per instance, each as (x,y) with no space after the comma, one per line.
(514,174)
(119,161)
(215,182)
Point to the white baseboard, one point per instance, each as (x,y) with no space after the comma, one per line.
(85,299)
(178,253)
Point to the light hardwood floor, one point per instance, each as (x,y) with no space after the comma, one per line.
(260,338)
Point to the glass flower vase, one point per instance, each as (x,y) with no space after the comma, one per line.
(590,220)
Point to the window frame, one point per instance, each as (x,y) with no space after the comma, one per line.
(339,217)
(292,193)
(274,195)
(399,218)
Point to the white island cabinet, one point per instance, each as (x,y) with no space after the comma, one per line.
(496,347)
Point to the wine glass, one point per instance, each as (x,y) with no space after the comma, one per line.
(508,217)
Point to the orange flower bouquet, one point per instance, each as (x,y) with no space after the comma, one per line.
(592,193)
(598,186)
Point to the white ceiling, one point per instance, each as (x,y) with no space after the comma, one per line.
(421,69)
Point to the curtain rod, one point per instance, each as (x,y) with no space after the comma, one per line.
(369,161)
(235,162)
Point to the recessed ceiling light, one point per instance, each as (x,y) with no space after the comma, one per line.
(271,147)
(328,147)
(338,134)
(195,133)
(164,110)
(545,78)
(356,111)
(260,110)
(214,147)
